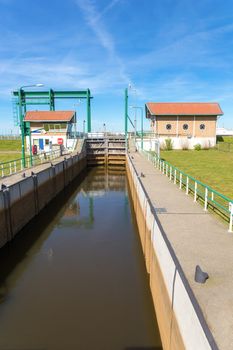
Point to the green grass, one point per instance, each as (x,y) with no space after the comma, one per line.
(228,139)
(10,145)
(211,167)
(7,157)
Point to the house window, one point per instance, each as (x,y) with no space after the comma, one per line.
(168,126)
(46,127)
(185,126)
(202,126)
(47,141)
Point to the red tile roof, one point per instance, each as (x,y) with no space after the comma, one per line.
(47,116)
(184,108)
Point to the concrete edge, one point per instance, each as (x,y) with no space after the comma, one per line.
(185,282)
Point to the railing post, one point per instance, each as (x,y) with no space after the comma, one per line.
(170,173)
(212,196)
(180,181)
(195,191)
(28,163)
(231,216)
(166,169)
(163,167)
(15,166)
(206,198)
(2,171)
(175,177)
(10,169)
(21,164)
(187,185)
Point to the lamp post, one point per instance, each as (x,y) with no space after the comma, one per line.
(141,108)
(22,127)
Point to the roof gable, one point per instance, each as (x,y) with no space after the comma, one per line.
(184,108)
(49,116)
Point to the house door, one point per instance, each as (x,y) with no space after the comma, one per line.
(41,144)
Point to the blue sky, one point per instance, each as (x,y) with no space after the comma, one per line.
(168,50)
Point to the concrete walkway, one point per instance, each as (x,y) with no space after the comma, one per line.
(12,179)
(197,238)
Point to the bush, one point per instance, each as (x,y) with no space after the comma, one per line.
(197,147)
(168,145)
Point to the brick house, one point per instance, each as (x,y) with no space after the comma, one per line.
(185,123)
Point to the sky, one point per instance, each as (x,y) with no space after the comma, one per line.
(167,50)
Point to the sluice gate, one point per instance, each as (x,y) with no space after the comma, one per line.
(106,150)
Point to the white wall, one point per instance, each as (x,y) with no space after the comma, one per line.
(150,144)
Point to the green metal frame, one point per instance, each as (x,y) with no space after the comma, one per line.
(29,98)
(128,118)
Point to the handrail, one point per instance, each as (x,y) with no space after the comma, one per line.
(16,165)
(209,195)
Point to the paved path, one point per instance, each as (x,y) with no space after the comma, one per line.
(197,238)
(11,179)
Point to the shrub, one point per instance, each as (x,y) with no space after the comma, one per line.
(168,145)
(197,147)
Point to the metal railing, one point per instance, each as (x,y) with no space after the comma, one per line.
(200,191)
(16,165)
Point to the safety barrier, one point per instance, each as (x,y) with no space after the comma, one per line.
(13,166)
(200,191)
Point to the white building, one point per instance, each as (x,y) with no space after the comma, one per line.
(50,128)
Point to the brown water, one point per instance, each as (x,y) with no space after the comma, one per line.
(75,278)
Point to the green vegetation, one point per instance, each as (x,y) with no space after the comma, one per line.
(6,157)
(228,139)
(10,145)
(197,147)
(212,167)
(168,144)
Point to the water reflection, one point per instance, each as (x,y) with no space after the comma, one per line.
(75,278)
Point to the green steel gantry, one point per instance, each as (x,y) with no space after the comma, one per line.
(128,118)
(23,98)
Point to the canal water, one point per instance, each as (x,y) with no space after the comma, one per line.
(75,277)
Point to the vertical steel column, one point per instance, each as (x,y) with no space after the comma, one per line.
(126,113)
(88,111)
(141,127)
(21,118)
(51,100)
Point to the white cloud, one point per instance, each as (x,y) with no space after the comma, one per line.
(93,19)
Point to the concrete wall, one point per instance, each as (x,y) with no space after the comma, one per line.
(181,322)
(188,142)
(20,202)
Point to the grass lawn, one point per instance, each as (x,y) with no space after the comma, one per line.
(10,145)
(212,167)
(6,157)
(228,139)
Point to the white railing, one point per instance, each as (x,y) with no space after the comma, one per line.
(200,191)
(16,165)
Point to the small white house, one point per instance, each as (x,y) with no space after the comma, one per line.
(50,128)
